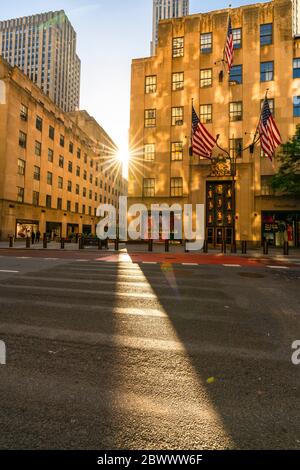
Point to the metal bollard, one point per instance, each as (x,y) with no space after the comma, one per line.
(116,244)
(27,242)
(286,248)
(266,248)
(244,247)
(80,244)
(62,244)
(185,246)
(11,242)
(99,244)
(205,246)
(106,243)
(45,241)
(150,244)
(223,247)
(167,246)
(233,248)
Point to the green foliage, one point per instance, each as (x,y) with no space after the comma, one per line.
(287,180)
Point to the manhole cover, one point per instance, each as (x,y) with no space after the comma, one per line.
(252,275)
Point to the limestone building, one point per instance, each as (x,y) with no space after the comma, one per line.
(188,65)
(52,175)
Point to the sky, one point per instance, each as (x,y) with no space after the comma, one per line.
(110,33)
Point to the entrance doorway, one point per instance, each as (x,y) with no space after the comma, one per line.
(219,212)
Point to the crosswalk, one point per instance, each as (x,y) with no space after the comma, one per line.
(145,356)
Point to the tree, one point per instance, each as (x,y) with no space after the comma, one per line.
(287,180)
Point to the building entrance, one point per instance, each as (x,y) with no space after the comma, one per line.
(219,212)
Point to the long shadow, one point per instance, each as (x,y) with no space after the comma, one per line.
(236,327)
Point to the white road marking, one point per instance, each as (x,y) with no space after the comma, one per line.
(278,267)
(149,262)
(232,265)
(23,257)
(189,264)
(8,271)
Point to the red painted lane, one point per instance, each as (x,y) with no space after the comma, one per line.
(161,258)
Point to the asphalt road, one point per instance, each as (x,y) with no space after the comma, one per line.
(135,356)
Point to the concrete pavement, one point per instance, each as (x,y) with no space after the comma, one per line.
(124,355)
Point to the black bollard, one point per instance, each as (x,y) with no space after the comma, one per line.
(286,248)
(27,242)
(233,248)
(62,244)
(99,244)
(81,243)
(150,244)
(106,243)
(45,241)
(205,246)
(116,244)
(11,242)
(223,246)
(266,247)
(185,246)
(244,247)
(167,246)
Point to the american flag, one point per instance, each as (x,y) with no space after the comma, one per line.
(270,137)
(229,46)
(202,141)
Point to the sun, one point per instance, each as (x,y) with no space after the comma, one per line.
(123,155)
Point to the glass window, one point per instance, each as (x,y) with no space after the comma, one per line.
(177,81)
(266,34)
(236,75)
(70,167)
(48,201)
(49,178)
(150,84)
(50,155)
(35,198)
(149,152)
(76,207)
(78,153)
(176,151)
(36,173)
(176,187)
(21,166)
(149,187)
(206,113)
(20,194)
(177,116)
(235,111)
(59,203)
(237,38)
(77,189)
(205,78)
(206,43)
(51,132)
(71,147)
(266,71)
(61,161)
(296,106)
(69,206)
(38,148)
(296,68)
(62,140)
(150,117)
(24,112)
(178,47)
(85,175)
(236,147)
(69,186)
(83,208)
(84,192)
(39,123)
(60,182)
(78,171)
(22,139)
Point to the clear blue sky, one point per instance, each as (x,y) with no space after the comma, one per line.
(109,34)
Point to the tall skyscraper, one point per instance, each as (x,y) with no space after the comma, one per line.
(43,46)
(163,10)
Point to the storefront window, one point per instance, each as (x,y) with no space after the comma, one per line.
(280,227)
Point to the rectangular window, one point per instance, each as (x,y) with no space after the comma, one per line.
(149,187)
(296,106)
(78,153)
(69,206)
(236,147)
(178,47)
(20,194)
(206,43)
(21,166)
(150,117)
(61,161)
(24,112)
(35,198)
(62,140)
(59,203)
(205,78)
(150,84)
(36,173)
(176,187)
(84,192)
(177,81)
(76,207)
(22,139)
(51,132)
(266,71)
(206,113)
(38,148)
(236,75)
(296,68)
(39,123)
(70,167)
(90,194)
(177,116)
(83,208)
(48,201)
(149,152)
(266,34)
(77,189)
(84,175)
(176,151)
(49,178)
(50,155)
(237,38)
(60,182)
(236,111)
(78,171)
(69,186)
(71,147)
